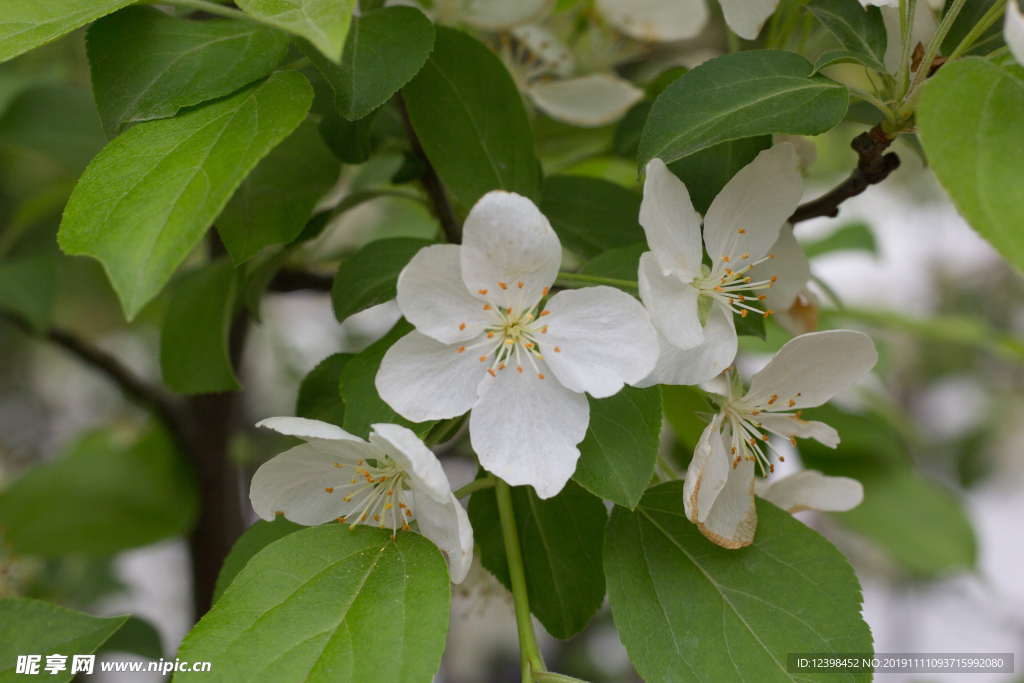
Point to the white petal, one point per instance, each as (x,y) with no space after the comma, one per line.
(806,151)
(707,473)
(447,525)
(496,15)
(525,429)
(296,482)
(656,21)
(811,369)
(702,363)
(746,17)
(589,101)
(733,518)
(604,338)
(507,240)
(433,297)
(546,48)
(757,200)
(423,379)
(791,267)
(670,222)
(1013,30)
(812,490)
(925,27)
(672,304)
(307,429)
(405,448)
(793,426)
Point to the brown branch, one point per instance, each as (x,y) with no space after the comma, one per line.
(872,168)
(289,280)
(431,181)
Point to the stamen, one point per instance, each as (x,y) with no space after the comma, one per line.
(545,292)
(726,259)
(491,370)
(503,285)
(543,313)
(329,489)
(338,466)
(460,349)
(487,307)
(540,375)
(520,285)
(558,350)
(746,255)
(742,231)
(462,326)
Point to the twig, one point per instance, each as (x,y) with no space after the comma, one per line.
(289,280)
(872,168)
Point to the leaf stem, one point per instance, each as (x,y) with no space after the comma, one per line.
(933,49)
(907,22)
(528,648)
(879,104)
(990,17)
(667,467)
(487,482)
(551,677)
(209,7)
(597,280)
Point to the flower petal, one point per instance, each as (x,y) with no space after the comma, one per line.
(447,525)
(307,429)
(656,21)
(925,28)
(545,46)
(405,448)
(604,339)
(812,490)
(525,429)
(672,304)
(589,101)
(1013,30)
(423,379)
(296,483)
(707,473)
(792,426)
(670,222)
(497,15)
(757,201)
(790,265)
(733,518)
(507,240)
(433,297)
(746,17)
(702,363)
(811,369)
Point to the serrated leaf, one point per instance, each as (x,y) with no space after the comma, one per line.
(147,199)
(369,276)
(59,121)
(560,539)
(326,603)
(324,23)
(256,538)
(275,200)
(385,48)
(591,215)
(194,357)
(470,119)
(27,24)
(857,236)
(971,123)
(859,29)
(320,393)
(688,610)
(35,627)
(102,497)
(349,140)
(136,636)
(970,14)
(147,65)
(618,454)
(740,95)
(28,288)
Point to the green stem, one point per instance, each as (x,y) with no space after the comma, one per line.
(444,430)
(734,40)
(990,17)
(668,468)
(210,7)
(907,22)
(878,104)
(528,648)
(551,677)
(933,48)
(596,280)
(475,485)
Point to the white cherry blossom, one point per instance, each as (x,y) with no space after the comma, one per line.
(811,490)
(805,373)
(691,304)
(486,340)
(1013,30)
(386,482)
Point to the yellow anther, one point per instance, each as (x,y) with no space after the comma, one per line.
(725,258)
(742,231)
(462,326)
(747,255)
(338,465)
(503,285)
(461,349)
(558,350)
(329,489)
(483,291)
(491,370)
(520,285)
(540,375)
(545,292)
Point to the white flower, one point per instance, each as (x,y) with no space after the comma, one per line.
(336,475)
(484,342)
(655,21)
(806,372)
(1013,30)
(811,490)
(489,15)
(925,28)
(690,304)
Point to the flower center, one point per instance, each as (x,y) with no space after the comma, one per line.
(733,288)
(750,440)
(381,493)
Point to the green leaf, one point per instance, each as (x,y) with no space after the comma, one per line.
(688,610)
(860,29)
(147,65)
(682,405)
(618,264)
(148,198)
(384,50)
(469,117)
(591,215)
(972,12)
(137,636)
(363,405)
(857,236)
(256,538)
(349,140)
(58,120)
(102,497)
(28,288)
(706,172)
(846,57)
(39,628)
(369,276)
(971,123)
(751,325)
(560,540)
(27,24)
(320,394)
(325,23)
(628,130)
(275,200)
(740,95)
(194,356)
(618,454)
(326,603)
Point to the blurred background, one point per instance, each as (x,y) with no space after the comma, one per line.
(935,432)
